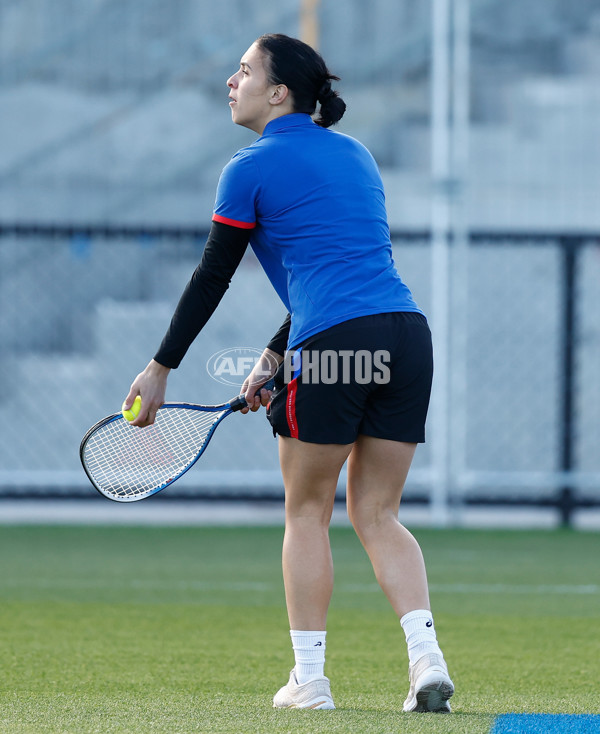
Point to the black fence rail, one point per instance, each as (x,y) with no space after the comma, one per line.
(570,244)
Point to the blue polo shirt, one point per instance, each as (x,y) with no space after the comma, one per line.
(314,201)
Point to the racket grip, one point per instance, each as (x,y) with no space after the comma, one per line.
(240,402)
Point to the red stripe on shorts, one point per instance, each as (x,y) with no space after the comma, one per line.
(291,407)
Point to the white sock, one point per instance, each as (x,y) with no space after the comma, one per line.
(420,634)
(309,651)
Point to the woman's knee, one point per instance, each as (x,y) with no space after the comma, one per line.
(309,507)
(371,519)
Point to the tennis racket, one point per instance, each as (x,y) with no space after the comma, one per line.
(127,463)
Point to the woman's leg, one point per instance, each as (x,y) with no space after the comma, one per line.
(310,476)
(377,470)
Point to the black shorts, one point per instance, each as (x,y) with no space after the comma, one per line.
(370,375)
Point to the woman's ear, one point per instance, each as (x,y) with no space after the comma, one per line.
(279,95)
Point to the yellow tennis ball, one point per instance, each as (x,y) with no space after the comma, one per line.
(134,411)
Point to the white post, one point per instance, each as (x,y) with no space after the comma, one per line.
(440,258)
(460,246)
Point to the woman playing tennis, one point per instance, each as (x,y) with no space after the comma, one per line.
(355,382)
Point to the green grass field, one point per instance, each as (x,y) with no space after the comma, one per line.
(184,630)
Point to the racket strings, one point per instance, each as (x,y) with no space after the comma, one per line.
(128,462)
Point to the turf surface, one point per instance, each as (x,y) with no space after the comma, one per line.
(185,630)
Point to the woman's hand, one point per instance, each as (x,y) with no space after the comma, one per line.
(262,371)
(151,386)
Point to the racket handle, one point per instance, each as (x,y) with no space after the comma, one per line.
(240,402)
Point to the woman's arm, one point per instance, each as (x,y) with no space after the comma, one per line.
(222,254)
(279,341)
(265,368)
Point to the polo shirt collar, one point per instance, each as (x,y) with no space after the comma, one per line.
(295,119)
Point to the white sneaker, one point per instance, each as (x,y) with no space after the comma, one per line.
(316,694)
(430,685)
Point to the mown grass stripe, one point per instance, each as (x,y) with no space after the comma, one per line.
(348,588)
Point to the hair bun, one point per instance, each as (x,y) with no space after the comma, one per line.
(325,92)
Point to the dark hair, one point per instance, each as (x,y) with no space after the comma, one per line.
(305,73)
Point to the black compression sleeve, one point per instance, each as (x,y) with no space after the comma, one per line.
(279,342)
(222,254)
